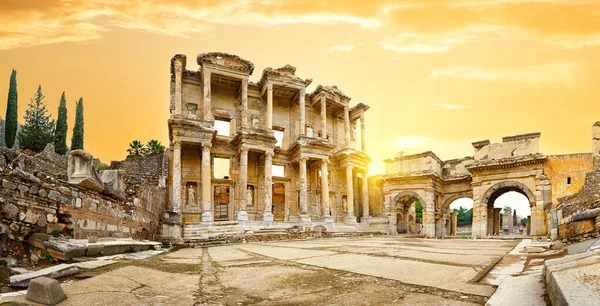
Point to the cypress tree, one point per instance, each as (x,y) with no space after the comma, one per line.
(38,130)
(60,133)
(10,125)
(515,217)
(77,138)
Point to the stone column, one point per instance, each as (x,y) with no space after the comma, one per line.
(268,187)
(454,225)
(347,124)
(325,191)
(497,221)
(350,194)
(176,200)
(207,213)
(242,215)
(269,121)
(207,95)
(490,222)
(323,116)
(304,216)
(178,87)
(363,138)
(301,97)
(365,199)
(244,116)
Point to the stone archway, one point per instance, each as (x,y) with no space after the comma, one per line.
(402,212)
(488,221)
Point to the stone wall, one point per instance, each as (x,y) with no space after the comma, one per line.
(567,174)
(36,197)
(376,196)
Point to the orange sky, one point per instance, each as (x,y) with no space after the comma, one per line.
(437,75)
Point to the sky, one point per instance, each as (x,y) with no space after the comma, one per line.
(438,75)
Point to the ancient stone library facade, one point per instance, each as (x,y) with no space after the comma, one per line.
(286,155)
(516,164)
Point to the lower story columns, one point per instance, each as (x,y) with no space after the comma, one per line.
(304,216)
(242,215)
(350,218)
(207,213)
(268,187)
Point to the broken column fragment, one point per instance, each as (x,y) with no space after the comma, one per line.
(81,171)
(114,183)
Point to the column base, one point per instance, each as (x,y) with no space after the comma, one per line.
(208,217)
(350,220)
(267,217)
(365,220)
(242,216)
(304,218)
(328,219)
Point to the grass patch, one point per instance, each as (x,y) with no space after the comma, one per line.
(463,234)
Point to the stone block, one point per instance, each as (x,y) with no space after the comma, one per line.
(94,249)
(81,171)
(64,251)
(45,291)
(58,271)
(37,240)
(114,183)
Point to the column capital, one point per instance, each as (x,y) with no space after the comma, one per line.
(349,166)
(269,86)
(245,80)
(303,159)
(206,145)
(243,148)
(269,153)
(177,145)
(324,161)
(206,72)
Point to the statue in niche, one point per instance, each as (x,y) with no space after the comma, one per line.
(344,205)
(192,109)
(255,122)
(249,196)
(191,195)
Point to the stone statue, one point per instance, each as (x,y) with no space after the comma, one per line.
(344,205)
(249,196)
(191,198)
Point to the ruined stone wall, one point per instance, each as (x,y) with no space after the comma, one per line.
(511,146)
(567,174)
(36,197)
(375,196)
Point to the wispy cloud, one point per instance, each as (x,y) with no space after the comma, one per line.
(341,48)
(451,106)
(548,73)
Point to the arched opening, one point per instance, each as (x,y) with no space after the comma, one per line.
(405,210)
(507,204)
(463,208)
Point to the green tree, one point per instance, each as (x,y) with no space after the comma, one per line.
(38,129)
(464,216)
(524,221)
(77,137)
(10,125)
(515,217)
(154,147)
(418,209)
(60,132)
(136,148)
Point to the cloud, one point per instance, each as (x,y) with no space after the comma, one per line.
(342,48)
(413,42)
(548,73)
(451,106)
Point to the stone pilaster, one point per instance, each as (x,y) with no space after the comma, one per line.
(325,191)
(347,125)
(350,194)
(454,225)
(176,200)
(178,87)
(443,227)
(242,215)
(365,198)
(268,187)
(269,121)
(207,95)
(302,97)
(497,221)
(304,216)
(244,115)
(323,117)
(207,213)
(363,136)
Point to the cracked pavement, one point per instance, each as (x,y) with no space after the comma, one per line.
(360,271)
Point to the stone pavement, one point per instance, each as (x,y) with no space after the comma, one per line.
(360,271)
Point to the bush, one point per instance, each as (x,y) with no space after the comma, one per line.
(47,256)
(55,234)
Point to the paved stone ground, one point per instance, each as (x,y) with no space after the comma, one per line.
(361,271)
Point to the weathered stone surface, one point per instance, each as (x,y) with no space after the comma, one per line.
(81,171)
(114,183)
(8,185)
(94,249)
(64,251)
(11,211)
(45,291)
(55,272)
